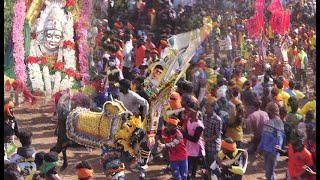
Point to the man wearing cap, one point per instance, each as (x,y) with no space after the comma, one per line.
(10,129)
(231,162)
(299,158)
(178,156)
(272,134)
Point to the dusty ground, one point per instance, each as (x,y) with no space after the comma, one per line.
(36,118)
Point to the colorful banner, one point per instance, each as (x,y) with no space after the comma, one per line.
(280,21)
(253,26)
(259,5)
(275,6)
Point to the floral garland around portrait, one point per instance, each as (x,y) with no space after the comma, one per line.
(18,40)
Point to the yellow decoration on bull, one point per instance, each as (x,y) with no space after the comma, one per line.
(124,134)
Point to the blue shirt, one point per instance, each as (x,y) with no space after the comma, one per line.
(272,134)
(290,92)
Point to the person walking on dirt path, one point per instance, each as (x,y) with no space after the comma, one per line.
(178,156)
(300,160)
(301,66)
(256,121)
(212,132)
(272,134)
(10,128)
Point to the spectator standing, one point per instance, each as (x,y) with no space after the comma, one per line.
(25,155)
(272,134)
(178,156)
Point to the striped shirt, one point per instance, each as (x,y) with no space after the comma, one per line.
(213,126)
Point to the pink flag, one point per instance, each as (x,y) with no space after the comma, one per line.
(259,5)
(275,6)
(280,21)
(260,17)
(253,26)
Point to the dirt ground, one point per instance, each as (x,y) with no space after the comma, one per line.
(36,118)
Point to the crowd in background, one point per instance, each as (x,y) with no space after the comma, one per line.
(228,88)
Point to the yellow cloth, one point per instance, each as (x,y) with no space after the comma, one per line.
(271,36)
(239,82)
(247,53)
(309,106)
(234,169)
(284,96)
(235,133)
(312,42)
(299,94)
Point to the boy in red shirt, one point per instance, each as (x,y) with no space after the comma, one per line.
(178,157)
(299,158)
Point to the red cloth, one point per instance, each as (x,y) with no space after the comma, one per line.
(297,160)
(140,52)
(259,5)
(120,57)
(149,45)
(179,152)
(253,26)
(275,6)
(98,39)
(280,21)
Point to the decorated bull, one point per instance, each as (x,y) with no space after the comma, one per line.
(116,131)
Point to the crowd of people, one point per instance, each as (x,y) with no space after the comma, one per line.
(227,89)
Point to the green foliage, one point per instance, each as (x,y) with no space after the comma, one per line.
(8,16)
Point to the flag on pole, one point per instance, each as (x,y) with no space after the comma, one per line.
(253,26)
(280,21)
(275,6)
(259,5)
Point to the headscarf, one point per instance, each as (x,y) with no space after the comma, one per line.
(85,173)
(7,107)
(175,101)
(173,121)
(46,166)
(231,147)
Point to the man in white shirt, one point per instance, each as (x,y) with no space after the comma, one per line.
(228,47)
(131,100)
